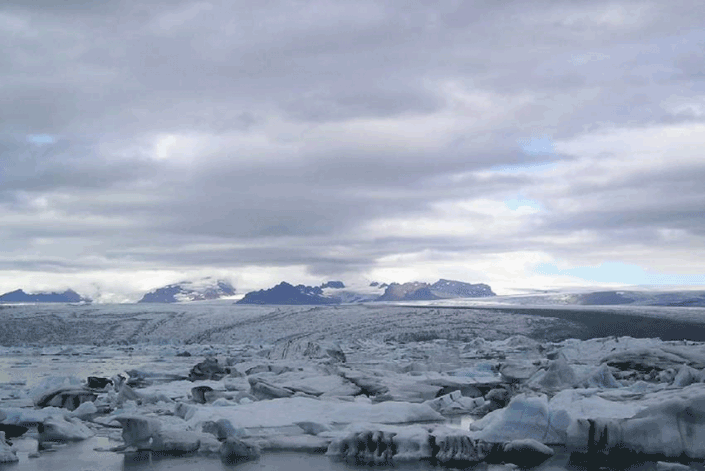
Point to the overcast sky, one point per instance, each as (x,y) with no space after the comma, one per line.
(522,144)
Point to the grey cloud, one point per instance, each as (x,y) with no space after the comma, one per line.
(106,78)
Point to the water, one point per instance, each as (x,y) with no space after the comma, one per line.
(82,457)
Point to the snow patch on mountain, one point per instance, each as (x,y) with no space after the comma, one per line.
(198,290)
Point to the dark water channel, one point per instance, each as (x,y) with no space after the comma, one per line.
(594,323)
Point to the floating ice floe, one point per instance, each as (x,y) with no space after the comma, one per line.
(671,429)
(388,445)
(7,455)
(290,411)
(526,453)
(61,429)
(526,417)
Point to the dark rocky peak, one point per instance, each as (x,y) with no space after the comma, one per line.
(459,289)
(285,293)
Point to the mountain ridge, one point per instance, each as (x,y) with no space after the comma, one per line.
(286,293)
(19,296)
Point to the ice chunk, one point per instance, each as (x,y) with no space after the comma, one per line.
(412,443)
(185,411)
(307,350)
(289,411)
(234,450)
(645,360)
(671,429)
(370,445)
(29,417)
(7,455)
(408,390)
(222,402)
(518,370)
(668,466)
(264,390)
(199,393)
(687,376)
(459,449)
(175,442)
(126,393)
(138,430)
(208,369)
(366,448)
(558,376)
(222,429)
(589,403)
(499,396)
(601,378)
(526,453)
(59,429)
(67,398)
(524,417)
(236,384)
(313,428)
(455,403)
(299,443)
(369,384)
(314,383)
(84,411)
(53,383)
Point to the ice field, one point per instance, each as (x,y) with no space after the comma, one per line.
(216,386)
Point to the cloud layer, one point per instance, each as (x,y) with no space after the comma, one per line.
(141,144)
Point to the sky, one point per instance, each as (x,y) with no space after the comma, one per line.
(526,145)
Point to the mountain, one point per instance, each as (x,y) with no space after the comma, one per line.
(200,290)
(285,293)
(458,289)
(442,289)
(19,296)
(413,291)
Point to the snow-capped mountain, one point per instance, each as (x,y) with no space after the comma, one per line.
(458,289)
(335,292)
(442,289)
(200,290)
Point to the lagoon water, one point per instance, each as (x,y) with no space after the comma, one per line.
(82,457)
